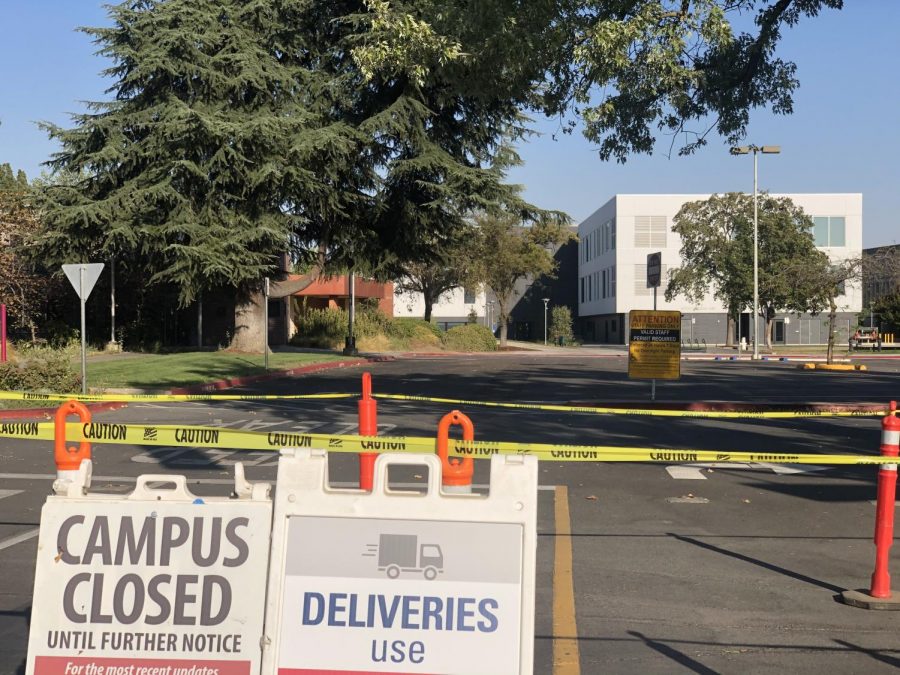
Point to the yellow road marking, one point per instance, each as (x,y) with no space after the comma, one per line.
(566,660)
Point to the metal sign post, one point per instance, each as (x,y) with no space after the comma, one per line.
(654,273)
(83,277)
(653,381)
(112,300)
(266,323)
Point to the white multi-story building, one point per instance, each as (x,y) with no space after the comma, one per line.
(452,309)
(612,268)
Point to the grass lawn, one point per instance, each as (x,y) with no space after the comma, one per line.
(164,371)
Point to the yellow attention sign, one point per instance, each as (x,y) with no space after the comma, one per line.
(654,345)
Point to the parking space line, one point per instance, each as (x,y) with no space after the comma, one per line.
(19,538)
(566,660)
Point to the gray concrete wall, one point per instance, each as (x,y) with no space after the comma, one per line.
(710,328)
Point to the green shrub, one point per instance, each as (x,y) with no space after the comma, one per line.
(470,338)
(40,369)
(408,328)
(561,324)
(327,328)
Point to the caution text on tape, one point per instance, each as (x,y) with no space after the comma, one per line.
(214,437)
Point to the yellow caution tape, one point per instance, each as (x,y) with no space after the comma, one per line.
(596,410)
(214,437)
(125,398)
(750,414)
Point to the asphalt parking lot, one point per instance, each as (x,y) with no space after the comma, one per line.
(705,569)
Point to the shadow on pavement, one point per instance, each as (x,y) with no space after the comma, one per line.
(755,561)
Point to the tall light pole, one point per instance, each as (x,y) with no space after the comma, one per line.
(766,150)
(546,300)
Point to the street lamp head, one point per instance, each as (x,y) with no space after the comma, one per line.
(546,300)
(740,150)
(771,149)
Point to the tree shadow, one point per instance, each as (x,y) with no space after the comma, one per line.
(756,561)
(679,657)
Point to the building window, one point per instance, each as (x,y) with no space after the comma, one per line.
(612,281)
(612,243)
(829,230)
(582,289)
(468,296)
(650,231)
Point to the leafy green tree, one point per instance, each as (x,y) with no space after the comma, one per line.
(624,70)
(822,282)
(887,312)
(24,289)
(717,254)
(437,275)
(881,276)
(506,251)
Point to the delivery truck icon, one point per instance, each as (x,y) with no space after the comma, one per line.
(398,553)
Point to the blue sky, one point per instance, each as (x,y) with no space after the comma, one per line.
(842,137)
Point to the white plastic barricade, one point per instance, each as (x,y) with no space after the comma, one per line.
(400,581)
(156,582)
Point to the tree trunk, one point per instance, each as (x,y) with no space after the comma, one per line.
(832,320)
(770,326)
(248,324)
(504,318)
(729,330)
(428,297)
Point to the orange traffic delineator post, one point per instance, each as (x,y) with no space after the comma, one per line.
(879,595)
(368,426)
(68,459)
(456,472)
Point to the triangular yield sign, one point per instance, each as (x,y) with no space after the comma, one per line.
(91,274)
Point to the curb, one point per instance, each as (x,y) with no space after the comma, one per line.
(250,379)
(26,413)
(728,406)
(834,367)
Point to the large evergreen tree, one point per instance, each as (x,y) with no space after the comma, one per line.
(239,130)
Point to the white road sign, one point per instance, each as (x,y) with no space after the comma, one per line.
(83,285)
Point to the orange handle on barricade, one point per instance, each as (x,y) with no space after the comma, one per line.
(69,459)
(455,470)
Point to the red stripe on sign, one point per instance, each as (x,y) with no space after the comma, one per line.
(320,671)
(64,665)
